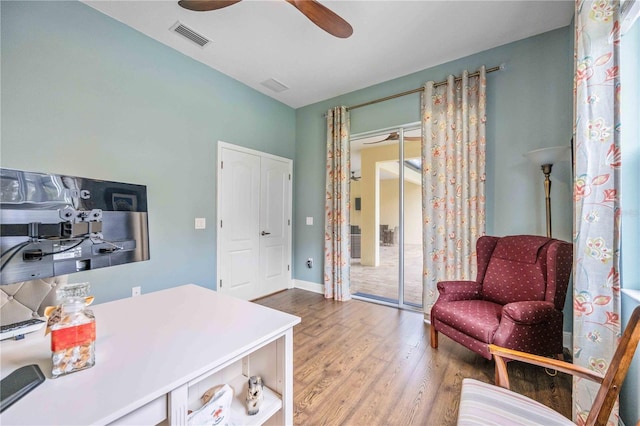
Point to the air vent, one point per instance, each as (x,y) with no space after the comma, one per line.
(190,34)
(274,85)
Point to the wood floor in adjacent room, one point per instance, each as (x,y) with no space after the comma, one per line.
(358,363)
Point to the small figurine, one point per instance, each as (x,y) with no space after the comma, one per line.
(255,395)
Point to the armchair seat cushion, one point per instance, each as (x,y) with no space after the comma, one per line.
(485,404)
(477,318)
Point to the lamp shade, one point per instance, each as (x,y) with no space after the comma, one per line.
(550,155)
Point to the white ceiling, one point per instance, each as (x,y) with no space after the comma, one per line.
(256,40)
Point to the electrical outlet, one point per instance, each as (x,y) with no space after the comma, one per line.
(136,291)
(310,263)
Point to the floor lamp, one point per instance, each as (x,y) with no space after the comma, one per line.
(546,158)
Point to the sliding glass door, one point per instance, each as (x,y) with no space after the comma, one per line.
(411,209)
(386,218)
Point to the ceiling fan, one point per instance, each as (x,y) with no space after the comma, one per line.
(394,137)
(316,12)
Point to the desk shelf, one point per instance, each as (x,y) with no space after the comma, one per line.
(271,404)
(262,362)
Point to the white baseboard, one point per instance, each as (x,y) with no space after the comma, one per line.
(309,286)
(567,340)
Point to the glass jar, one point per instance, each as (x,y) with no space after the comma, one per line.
(73,336)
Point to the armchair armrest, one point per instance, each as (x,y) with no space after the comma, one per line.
(529,312)
(502,354)
(451,291)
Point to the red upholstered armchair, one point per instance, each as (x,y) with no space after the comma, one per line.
(516,301)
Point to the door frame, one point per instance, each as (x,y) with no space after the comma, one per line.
(225,145)
(401,129)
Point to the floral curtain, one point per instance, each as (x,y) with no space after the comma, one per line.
(596,303)
(337,245)
(453,176)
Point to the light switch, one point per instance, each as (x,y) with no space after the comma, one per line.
(309,220)
(201,223)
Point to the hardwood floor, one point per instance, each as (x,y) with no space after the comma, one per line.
(358,363)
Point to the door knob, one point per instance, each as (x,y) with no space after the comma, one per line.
(265,233)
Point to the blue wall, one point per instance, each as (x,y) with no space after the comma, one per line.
(85,95)
(630,200)
(529,106)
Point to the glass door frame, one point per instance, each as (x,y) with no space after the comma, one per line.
(401,129)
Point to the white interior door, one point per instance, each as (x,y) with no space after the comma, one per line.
(254,222)
(238,224)
(275,225)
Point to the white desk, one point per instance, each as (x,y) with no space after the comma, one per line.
(155,356)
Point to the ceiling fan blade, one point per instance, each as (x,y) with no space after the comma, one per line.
(388,138)
(323,17)
(391,137)
(206,5)
(394,137)
(373,143)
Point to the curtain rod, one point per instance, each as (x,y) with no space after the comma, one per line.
(420,89)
